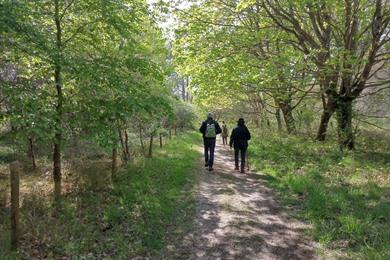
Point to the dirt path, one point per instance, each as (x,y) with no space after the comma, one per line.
(237,217)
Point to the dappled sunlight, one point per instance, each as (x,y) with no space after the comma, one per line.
(237,217)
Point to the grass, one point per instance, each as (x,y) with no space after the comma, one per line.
(133,219)
(346,196)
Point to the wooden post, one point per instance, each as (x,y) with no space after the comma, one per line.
(14,174)
(161,140)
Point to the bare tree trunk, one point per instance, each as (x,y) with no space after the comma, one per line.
(289,120)
(15,172)
(141,140)
(183,90)
(59,112)
(265,120)
(123,145)
(288,117)
(329,110)
(31,152)
(150,154)
(170,133)
(161,140)
(127,145)
(187,87)
(114,161)
(279,120)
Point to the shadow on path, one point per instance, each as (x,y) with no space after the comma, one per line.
(237,217)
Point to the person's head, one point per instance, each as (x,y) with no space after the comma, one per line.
(210,116)
(241,121)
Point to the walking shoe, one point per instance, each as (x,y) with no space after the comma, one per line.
(210,168)
(236,168)
(242,171)
(206,165)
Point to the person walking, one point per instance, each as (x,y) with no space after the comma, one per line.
(239,141)
(209,129)
(225,133)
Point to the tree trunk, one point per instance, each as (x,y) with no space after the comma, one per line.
(279,120)
(57,167)
(288,117)
(264,119)
(329,110)
(170,133)
(161,140)
(31,152)
(59,112)
(123,145)
(114,161)
(175,130)
(150,154)
(344,119)
(141,140)
(15,172)
(183,90)
(127,146)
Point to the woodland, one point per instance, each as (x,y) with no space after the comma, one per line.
(101,101)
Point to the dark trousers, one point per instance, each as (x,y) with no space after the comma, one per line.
(209,148)
(224,140)
(242,151)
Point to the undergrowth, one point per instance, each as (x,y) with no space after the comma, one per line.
(345,195)
(147,199)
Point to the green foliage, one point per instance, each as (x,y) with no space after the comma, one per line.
(131,220)
(261,56)
(113,62)
(183,115)
(344,195)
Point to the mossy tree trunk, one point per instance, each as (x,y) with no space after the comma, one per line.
(344,119)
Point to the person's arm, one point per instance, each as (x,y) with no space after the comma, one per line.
(248,134)
(202,128)
(218,129)
(231,139)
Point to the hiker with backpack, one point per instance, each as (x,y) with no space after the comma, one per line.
(209,129)
(239,141)
(225,133)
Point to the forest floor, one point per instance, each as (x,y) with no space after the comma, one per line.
(129,219)
(238,217)
(302,200)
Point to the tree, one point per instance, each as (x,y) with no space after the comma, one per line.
(230,53)
(346,40)
(104,68)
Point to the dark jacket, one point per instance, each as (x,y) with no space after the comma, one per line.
(239,137)
(203,127)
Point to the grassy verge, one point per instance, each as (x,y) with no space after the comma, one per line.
(132,219)
(346,196)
